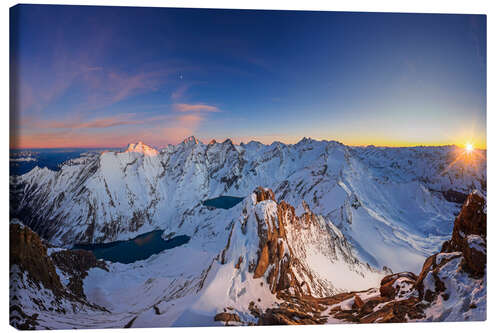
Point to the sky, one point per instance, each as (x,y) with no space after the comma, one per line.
(89,76)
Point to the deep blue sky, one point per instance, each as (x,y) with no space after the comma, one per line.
(105,76)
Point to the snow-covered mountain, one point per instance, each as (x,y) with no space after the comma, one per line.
(383,200)
(318,220)
(250,254)
(142,148)
(267,266)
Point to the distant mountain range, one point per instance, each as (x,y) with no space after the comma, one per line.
(318,218)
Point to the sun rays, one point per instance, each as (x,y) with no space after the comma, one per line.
(468,156)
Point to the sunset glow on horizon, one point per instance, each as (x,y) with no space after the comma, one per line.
(83,76)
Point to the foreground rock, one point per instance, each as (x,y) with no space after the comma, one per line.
(469,235)
(35,284)
(227,317)
(450,287)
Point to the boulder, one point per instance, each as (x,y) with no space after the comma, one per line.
(358,303)
(227,317)
(396,285)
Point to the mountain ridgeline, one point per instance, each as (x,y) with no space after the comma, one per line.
(407,197)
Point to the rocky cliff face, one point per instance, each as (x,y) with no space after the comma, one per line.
(469,235)
(279,247)
(35,284)
(286,252)
(29,254)
(450,287)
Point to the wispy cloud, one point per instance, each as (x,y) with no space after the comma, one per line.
(196,108)
(179,92)
(108,132)
(190,119)
(97,123)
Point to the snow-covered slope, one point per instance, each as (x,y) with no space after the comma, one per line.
(451,285)
(240,259)
(384,200)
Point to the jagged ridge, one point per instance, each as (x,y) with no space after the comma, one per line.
(114,196)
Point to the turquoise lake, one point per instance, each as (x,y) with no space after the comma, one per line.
(224,202)
(139,248)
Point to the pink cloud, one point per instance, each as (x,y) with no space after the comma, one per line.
(105,87)
(155,130)
(195,108)
(179,92)
(96,123)
(190,119)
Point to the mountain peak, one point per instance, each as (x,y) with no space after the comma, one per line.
(191,140)
(305,140)
(142,148)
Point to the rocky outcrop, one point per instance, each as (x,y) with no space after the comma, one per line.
(273,244)
(469,234)
(76,264)
(28,252)
(264,194)
(283,240)
(227,317)
(397,285)
(36,285)
(274,255)
(450,286)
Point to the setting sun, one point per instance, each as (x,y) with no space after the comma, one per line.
(469,147)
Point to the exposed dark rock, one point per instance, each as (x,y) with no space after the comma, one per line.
(264,194)
(29,253)
(21,320)
(454,196)
(227,317)
(130,323)
(469,235)
(470,221)
(390,285)
(77,263)
(475,256)
(238,264)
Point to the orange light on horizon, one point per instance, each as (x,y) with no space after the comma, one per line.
(469,147)
(467,156)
